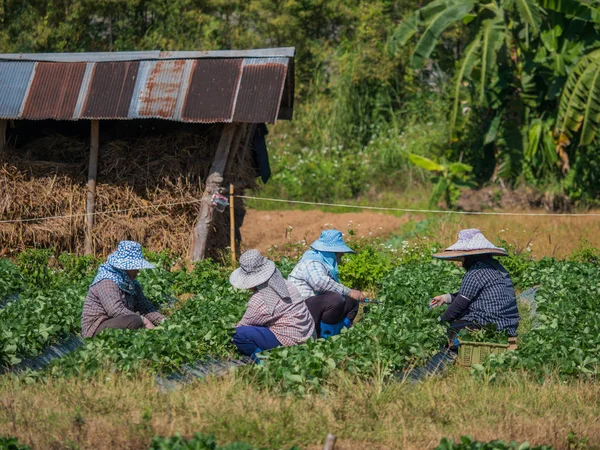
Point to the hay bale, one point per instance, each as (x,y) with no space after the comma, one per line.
(148,190)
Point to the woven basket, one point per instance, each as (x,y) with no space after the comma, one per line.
(470,353)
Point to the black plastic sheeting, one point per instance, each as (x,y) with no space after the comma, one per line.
(9,299)
(200,369)
(50,353)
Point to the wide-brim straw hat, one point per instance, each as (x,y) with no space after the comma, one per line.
(331,241)
(128,256)
(470,242)
(254,270)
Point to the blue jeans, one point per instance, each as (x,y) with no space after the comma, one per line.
(252,340)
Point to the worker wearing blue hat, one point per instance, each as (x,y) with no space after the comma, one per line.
(332,305)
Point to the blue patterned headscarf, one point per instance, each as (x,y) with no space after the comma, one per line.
(128,256)
(328,259)
(120,277)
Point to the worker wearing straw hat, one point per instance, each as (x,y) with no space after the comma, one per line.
(115,299)
(486,295)
(332,305)
(276,314)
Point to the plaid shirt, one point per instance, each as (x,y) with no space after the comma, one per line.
(105,301)
(312,278)
(291,322)
(492,296)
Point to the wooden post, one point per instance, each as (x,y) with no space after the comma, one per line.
(3,125)
(232,223)
(90,204)
(213,181)
(330,442)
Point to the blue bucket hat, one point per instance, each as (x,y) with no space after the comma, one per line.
(128,256)
(331,241)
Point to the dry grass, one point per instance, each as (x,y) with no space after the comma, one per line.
(47,178)
(118,412)
(545,236)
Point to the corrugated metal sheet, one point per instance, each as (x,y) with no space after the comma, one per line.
(109,94)
(14,81)
(213,89)
(204,90)
(260,91)
(54,91)
(161,89)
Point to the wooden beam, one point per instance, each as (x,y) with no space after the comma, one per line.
(213,181)
(3,126)
(232,242)
(90,204)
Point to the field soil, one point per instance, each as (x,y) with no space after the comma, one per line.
(266,229)
(555,235)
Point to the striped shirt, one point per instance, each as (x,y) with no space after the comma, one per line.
(492,297)
(105,300)
(312,278)
(291,322)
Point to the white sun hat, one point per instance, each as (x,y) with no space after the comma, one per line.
(254,270)
(470,242)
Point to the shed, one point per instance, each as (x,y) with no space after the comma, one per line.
(226,92)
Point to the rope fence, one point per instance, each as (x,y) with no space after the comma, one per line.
(322,204)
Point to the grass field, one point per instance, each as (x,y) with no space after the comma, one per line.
(114,411)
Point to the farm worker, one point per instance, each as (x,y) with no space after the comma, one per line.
(115,299)
(276,314)
(332,305)
(486,295)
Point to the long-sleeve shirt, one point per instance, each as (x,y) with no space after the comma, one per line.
(312,278)
(291,322)
(105,300)
(486,296)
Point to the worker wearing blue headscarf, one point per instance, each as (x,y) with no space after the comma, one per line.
(332,305)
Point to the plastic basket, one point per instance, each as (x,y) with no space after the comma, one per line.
(470,353)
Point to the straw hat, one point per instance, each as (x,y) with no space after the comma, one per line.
(254,270)
(470,242)
(331,241)
(128,256)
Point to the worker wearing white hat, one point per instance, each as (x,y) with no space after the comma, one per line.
(487,295)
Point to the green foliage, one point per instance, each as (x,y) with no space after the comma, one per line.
(467,443)
(199,441)
(366,268)
(12,443)
(586,252)
(33,266)
(489,333)
(511,80)
(565,337)
(448,179)
(10,278)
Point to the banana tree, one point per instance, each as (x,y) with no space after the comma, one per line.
(512,72)
(448,179)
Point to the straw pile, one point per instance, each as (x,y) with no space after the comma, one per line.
(48,178)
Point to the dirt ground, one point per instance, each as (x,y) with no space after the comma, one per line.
(556,235)
(264,229)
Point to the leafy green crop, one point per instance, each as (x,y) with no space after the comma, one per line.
(467,443)
(12,443)
(198,442)
(489,333)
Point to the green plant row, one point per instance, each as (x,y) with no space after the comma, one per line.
(467,443)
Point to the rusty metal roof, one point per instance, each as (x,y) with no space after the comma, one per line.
(250,86)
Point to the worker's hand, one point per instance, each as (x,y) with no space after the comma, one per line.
(357,295)
(440,300)
(149,325)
